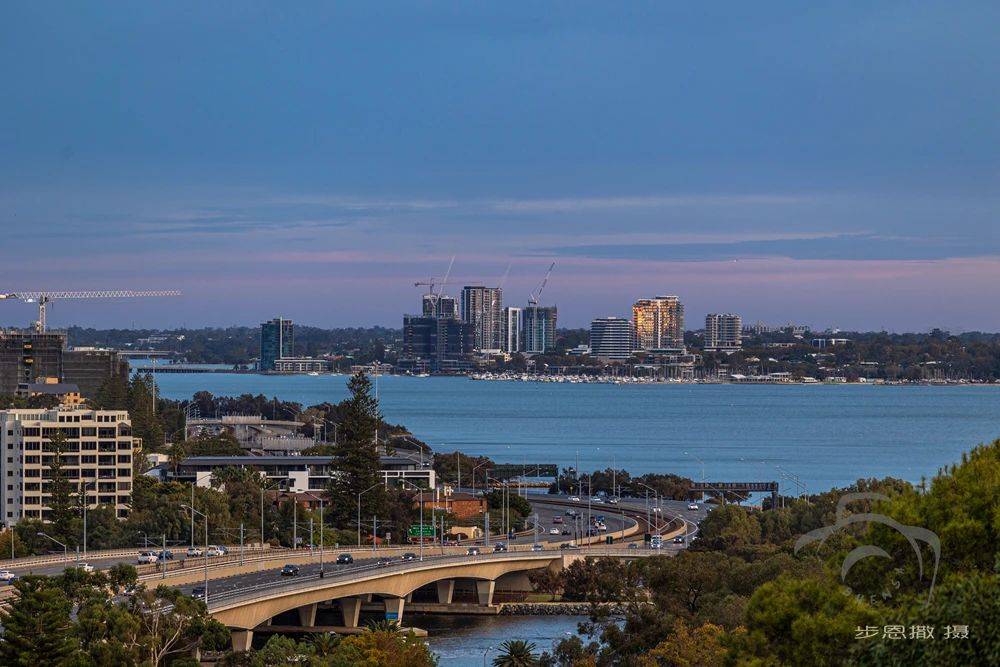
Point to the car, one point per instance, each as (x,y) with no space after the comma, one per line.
(613,501)
(633,545)
(557,519)
(570,512)
(345,559)
(7,576)
(596,500)
(408,556)
(384,561)
(290,570)
(574,499)
(568,545)
(472,551)
(554,531)
(198,592)
(565,531)
(537,547)
(679,539)
(213,551)
(499,548)
(692,506)
(194,552)
(165,555)
(602,527)
(86,567)
(146,557)
(223,550)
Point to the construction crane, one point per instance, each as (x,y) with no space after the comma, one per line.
(45,298)
(533,298)
(435,297)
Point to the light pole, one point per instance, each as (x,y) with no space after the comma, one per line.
(204,516)
(65,555)
(322,572)
(474,475)
(656,498)
(487,652)
(373,486)
(85,503)
(420,501)
(699,461)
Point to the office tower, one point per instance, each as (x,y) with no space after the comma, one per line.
(611,338)
(482,309)
(276,342)
(723,331)
(28,356)
(435,338)
(89,367)
(539,329)
(512,327)
(440,305)
(658,323)
(97,459)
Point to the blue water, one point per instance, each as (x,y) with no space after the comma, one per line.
(827,435)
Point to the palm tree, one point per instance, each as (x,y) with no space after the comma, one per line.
(516,653)
(325,643)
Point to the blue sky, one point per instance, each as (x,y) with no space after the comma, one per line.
(836,165)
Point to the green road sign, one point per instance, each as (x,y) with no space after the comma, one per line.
(415,531)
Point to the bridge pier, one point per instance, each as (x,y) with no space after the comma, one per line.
(242,639)
(484,590)
(394,609)
(307,615)
(445,591)
(351,608)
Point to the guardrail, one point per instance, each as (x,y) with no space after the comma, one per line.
(104,554)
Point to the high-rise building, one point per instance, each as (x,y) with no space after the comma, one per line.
(723,332)
(482,309)
(611,338)
(435,338)
(28,356)
(276,342)
(97,459)
(658,323)
(539,329)
(440,305)
(89,367)
(512,330)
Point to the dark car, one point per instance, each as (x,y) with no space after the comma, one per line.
(568,545)
(633,545)
(345,559)
(165,555)
(290,570)
(198,592)
(472,551)
(409,555)
(384,561)
(499,547)
(679,539)
(565,531)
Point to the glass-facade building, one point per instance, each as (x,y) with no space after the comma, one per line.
(276,342)
(658,323)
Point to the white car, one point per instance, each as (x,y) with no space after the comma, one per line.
(613,501)
(574,499)
(146,557)
(7,576)
(86,567)
(214,551)
(692,506)
(597,500)
(194,552)
(554,531)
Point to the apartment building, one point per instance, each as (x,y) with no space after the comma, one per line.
(658,323)
(97,458)
(723,332)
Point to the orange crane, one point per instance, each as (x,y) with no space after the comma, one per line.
(45,298)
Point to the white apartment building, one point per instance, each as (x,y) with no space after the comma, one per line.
(98,457)
(723,332)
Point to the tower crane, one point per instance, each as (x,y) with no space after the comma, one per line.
(43,299)
(533,298)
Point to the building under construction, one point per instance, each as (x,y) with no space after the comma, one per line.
(28,357)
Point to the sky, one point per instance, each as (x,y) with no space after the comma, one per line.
(834,164)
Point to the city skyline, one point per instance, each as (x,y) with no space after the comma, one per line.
(834,165)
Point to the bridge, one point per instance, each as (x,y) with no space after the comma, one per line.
(342,593)
(743,488)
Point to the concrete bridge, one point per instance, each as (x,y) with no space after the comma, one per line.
(341,595)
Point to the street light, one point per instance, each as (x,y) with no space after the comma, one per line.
(322,573)
(65,556)
(699,461)
(420,501)
(474,475)
(656,498)
(85,503)
(486,652)
(373,486)
(205,516)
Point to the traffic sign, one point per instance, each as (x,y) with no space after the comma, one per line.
(415,531)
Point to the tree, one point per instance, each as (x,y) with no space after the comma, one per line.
(700,647)
(37,626)
(356,457)
(547,580)
(61,505)
(516,653)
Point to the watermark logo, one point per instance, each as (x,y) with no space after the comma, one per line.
(915,535)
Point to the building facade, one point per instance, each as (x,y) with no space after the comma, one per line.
(539,329)
(611,338)
(435,339)
(482,309)
(276,342)
(658,323)
(27,357)
(89,367)
(97,458)
(723,332)
(513,339)
(440,305)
